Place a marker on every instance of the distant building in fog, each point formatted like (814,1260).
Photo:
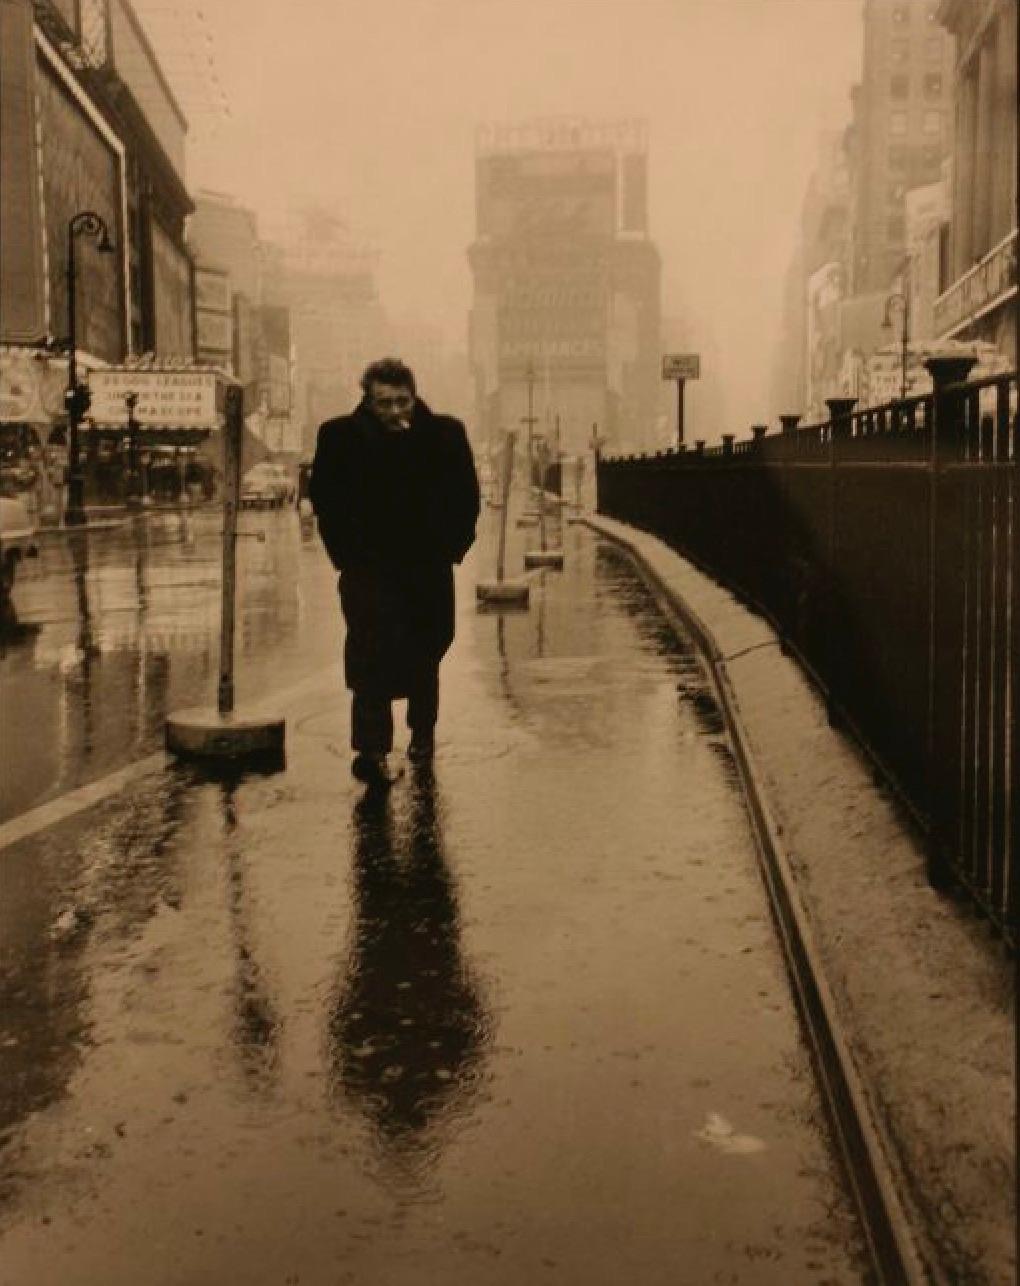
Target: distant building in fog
(900,131)
(443,374)
(327,280)
(238,329)
(223,234)
(223,238)
(979,298)
(874,223)
(805,361)
(566,282)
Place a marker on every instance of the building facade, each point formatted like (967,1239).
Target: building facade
(327,281)
(978,300)
(902,120)
(239,330)
(88,122)
(566,308)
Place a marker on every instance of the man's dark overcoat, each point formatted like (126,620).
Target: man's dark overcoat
(396,509)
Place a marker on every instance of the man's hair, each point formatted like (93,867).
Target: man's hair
(388,370)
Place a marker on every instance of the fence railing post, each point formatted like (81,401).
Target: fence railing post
(840,411)
(945,444)
(789,424)
(727,443)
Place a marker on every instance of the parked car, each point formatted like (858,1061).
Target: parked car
(17,542)
(267,486)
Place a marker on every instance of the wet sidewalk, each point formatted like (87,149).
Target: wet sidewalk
(522,1020)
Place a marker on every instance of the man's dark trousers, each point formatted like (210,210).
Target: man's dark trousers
(372,714)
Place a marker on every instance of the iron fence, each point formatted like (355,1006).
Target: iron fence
(882,545)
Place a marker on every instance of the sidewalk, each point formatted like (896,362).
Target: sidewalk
(524,1020)
(923,990)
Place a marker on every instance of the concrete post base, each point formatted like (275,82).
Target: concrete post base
(203,733)
(503,593)
(543,558)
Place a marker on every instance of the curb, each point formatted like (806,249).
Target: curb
(863,1143)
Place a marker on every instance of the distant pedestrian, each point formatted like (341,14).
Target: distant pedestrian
(394,489)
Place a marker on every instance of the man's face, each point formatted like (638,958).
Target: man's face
(391,404)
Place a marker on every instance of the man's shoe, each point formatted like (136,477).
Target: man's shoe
(422,749)
(373,770)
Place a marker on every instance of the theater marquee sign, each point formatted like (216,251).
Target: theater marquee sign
(185,399)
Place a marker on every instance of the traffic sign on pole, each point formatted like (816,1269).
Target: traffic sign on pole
(681,367)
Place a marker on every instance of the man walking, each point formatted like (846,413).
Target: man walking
(396,495)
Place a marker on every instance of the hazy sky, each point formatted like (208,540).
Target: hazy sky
(371,105)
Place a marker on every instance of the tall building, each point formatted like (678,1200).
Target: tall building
(223,234)
(240,329)
(979,287)
(566,283)
(327,279)
(900,131)
(224,240)
(816,279)
(874,228)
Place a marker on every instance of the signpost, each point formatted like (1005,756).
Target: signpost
(681,367)
(225,733)
(543,556)
(502,592)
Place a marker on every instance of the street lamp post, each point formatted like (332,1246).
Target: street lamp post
(531,419)
(76,396)
(904,304)
(134,490)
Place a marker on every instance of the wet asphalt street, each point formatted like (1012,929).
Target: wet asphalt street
(520,1021)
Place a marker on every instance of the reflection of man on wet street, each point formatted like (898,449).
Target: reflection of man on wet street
(395,492)
(408,1028)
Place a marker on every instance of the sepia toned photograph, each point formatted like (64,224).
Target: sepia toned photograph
(509,636)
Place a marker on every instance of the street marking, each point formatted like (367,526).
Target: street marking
(54,811)
(75,801)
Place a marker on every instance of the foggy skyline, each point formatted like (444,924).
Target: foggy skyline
(371,108)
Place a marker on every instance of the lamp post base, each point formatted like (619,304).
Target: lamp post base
(543,558)
(503,593)
(203,733)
